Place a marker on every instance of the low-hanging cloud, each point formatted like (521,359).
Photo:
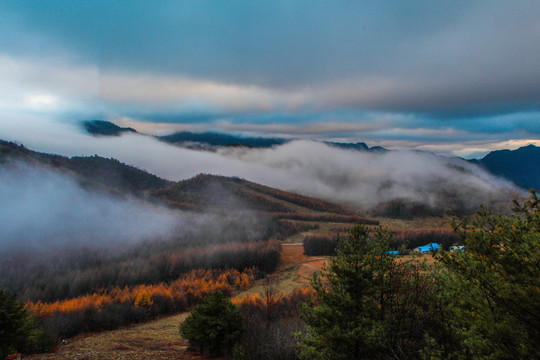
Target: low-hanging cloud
(365,179)
(44,209)
(61,228)
(307,167)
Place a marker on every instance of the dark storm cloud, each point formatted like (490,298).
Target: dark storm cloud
(443,59)
(243,41)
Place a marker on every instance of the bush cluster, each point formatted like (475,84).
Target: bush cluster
(317,245)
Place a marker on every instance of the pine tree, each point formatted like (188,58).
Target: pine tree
(497,282)
(18,332)
(369,306)
(342,323)
(215,325)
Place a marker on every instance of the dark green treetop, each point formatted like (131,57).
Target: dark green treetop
(213,326)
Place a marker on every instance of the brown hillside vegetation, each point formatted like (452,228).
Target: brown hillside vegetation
(211,191)
(159,339)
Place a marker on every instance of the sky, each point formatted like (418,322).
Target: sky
(454,78)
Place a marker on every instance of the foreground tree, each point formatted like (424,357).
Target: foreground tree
(15,324)
(496,283)
(369,306)
(18,332)
(214,326)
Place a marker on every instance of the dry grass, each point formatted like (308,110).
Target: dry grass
(428,258)
(302,266)
(157,339)
(294,254)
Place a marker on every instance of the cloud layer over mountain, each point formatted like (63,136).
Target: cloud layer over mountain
(307,167)
(43,209)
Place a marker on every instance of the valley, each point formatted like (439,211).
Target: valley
(278,180)
(125,299)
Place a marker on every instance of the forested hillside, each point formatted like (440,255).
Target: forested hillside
(210,223)
(95,170)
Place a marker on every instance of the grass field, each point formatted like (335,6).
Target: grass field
(157,339)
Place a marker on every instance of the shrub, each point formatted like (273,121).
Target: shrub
(18,330)
(214,326)
(270,320)
(320,245)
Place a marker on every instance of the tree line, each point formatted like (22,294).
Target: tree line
(108,309)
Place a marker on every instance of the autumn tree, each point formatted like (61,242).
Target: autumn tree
(214,326)
(144,301)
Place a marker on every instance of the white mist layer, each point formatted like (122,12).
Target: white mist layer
(307,167)
(365,178)
(43,209)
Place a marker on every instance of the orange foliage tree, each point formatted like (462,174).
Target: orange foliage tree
(152,300)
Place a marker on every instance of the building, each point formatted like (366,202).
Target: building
(427,248)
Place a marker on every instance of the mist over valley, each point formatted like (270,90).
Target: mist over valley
(269,181)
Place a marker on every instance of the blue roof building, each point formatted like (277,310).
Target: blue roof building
(427,248)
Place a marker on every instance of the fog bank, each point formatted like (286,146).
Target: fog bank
(307,167)
(44,209)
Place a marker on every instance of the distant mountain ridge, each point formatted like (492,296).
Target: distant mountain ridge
(359,146)
(521,166)
(220,139)
(105,128)
(213,139)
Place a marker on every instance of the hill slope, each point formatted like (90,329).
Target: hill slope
(208,192)
(95,170)
(205,191)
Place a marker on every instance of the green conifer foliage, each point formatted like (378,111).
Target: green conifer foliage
(370,306)
(18,332)
(497,283)
(214,326)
